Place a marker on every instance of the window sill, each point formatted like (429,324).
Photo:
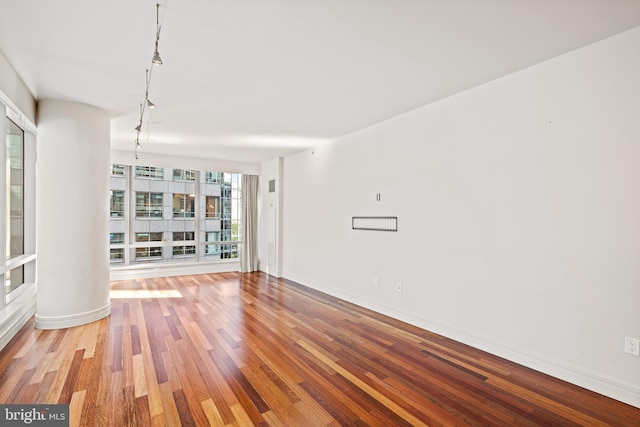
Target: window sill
(165,269)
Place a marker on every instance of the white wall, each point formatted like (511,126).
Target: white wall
(518,206)
(270,241)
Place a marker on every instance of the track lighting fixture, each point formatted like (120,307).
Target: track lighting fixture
(157,61)
(156,56)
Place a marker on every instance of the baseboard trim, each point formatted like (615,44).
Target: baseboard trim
(265,269)
(61,322)
(588,380)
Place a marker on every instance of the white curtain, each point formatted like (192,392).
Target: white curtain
(249,246)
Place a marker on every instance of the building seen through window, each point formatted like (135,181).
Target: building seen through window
(173,215)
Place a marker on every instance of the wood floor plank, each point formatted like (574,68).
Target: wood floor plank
(75,408)
(236,349)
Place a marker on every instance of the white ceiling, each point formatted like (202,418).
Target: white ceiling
(250,80)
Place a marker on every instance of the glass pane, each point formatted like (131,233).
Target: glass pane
(13,279)
(15,190)
(212,249)
(213,177)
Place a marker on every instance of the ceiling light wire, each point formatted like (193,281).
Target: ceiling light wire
(147,104)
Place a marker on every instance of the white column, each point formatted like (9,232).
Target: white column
(72,214)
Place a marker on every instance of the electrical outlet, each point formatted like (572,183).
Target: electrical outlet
(399,287)
(632,346)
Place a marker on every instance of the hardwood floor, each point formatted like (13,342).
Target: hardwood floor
(242,350)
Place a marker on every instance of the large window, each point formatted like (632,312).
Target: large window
(14,232)
(149,205)
(117,204)
(231,206)
(184,205)
(165,217)
(224,243)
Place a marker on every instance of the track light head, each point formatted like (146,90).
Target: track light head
(156,56)
(139,127)
(150,105)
